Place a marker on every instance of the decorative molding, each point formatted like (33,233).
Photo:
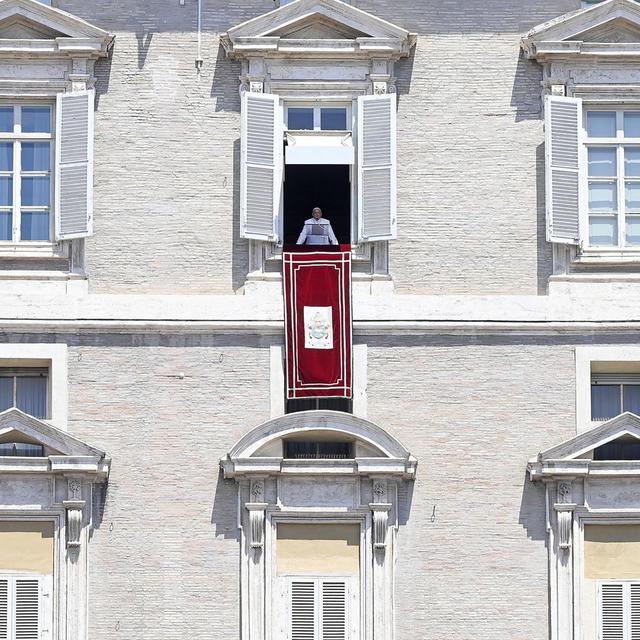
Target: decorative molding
(74,510)
(380,515)
(256,86)
(256,523)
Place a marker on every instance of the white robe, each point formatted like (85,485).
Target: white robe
(317,232)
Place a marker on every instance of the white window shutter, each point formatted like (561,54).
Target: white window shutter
(27,616)
(74,165)
(612,618)
(563,125)
(377,167)
(4,609)
(262,149)
(303,610)
(334,610)
(635,610)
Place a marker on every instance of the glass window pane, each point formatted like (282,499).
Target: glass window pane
(632,231)
(6,393)
(6,191)
(5,225)
(632,124)
(34,225)
(6,119)
(300,118)
(333,119)
(631,398)
(602,162)
(31,396)
(603,231)
(601,124)
(605,401)
(35,191)
(632,196)
(603,196)
(632,161)
(6,156)
(36,156)
(36,119)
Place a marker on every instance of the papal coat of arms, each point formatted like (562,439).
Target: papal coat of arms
(318,328)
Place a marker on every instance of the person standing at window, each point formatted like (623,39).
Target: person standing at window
(317,230)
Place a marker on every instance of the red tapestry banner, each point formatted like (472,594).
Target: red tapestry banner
(317,295)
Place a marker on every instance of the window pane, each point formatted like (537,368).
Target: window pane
(632,124)
(6,119)
(5,225)
(603,231)
(35,191)
(6,156)
(603,196)
(333,119)
(631,398)
(602,162)
(36,156)
(632,195)
(36,119)
(605,401)
(6,393)
(6,191)
(601,124)
(31,396)
(300,118)
(34,225)
(633,230)
(632,161)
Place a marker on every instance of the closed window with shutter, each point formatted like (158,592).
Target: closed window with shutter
(377,167)
(262,149)
(563,118)
(619,610)
(74,165)
(322,609)
(21,609)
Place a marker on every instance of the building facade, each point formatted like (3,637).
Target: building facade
(483,162)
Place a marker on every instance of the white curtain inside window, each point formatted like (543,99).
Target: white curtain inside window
(31,396)
(6,393)
(605,401)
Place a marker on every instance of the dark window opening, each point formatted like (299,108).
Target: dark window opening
(609,400)
(326,186)
(618,450)
(21,449)
(25,389)
(313,450)
(326,404)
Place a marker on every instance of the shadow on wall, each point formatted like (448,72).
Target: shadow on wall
(544,248)
(224,513)
(100,492)
(532,514)
(225,85)
(239,246)
(404,72)
(144,43)
(102,71)
(405,498)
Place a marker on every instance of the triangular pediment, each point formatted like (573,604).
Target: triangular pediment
(613,22)
(622,427)
(20,427)
(30,19)
(315,20)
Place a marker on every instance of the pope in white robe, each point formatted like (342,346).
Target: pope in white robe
(317,230)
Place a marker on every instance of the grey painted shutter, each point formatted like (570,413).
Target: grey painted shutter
(303,610)
(4,609)
(261,173)
(635,611)
(74,165)
(334,610)
(612,612)
(563,118)
(27,609)
(377,167)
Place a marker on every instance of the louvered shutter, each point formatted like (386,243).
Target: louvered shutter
(261,173)
(563,117)
(377,167)
(74,165)
(334,610)
(303,610)
(634,610)
(612,612)
(4,609)
(27,609)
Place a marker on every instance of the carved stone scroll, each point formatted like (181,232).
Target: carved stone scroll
(564,508)
(380,512)
(74,521)
(256,523)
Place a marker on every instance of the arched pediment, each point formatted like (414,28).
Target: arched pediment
(376,451)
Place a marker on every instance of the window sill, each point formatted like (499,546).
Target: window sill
(359,253)
(32,250)
(604,256)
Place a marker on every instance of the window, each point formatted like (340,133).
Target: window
(26,158)
(317,450)
(317,118)
(20,607)
(619,610)
(310,404)
(26,389)
(620,449)
(613,168)
(613,394)
(22,449)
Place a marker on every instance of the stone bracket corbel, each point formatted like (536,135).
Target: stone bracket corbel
(257,511)
(564,509)
(74,521)
(380,511)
